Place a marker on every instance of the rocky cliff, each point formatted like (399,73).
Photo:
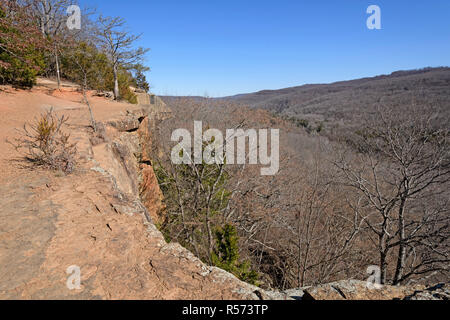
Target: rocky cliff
(95,219)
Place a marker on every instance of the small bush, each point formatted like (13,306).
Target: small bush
(45,144)
(128,95)
(20,73)
(125,81)
(226,256)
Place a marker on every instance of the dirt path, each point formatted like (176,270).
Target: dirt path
(19,106)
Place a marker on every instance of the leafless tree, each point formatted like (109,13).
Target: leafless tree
(401,178)
(51,18)
(85,62)
(118,43)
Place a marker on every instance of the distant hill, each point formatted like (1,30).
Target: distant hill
(343,101)
(343,104)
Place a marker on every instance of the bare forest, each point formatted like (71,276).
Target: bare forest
(376,194)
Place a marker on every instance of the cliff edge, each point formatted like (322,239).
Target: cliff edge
(92,219)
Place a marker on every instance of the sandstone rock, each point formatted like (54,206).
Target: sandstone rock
(438,292)
(151,194)
(145,138)
(128,124)
(104,94)
(355,290)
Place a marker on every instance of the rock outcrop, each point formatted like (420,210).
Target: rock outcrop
(438,292)
(355,290)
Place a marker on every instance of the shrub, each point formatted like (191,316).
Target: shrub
(45,144)
(128,95)
(20,73)
(125,81)
(21,46)
(226,255)
(84,62)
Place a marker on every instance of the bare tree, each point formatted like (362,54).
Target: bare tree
(118,44)
(312,232)
(401,178)
(84,58)
(51,17)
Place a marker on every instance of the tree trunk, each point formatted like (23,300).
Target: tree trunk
(210,236)
(58,75)
(94,126)
(301,267)
(383,254)
(402,248)
(116,83)
(383,267)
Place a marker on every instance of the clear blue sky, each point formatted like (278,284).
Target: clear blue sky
(228,47)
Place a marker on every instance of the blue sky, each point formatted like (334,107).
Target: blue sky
(220,48)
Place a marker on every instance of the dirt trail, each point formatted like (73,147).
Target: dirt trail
(18,106)
(92,219)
